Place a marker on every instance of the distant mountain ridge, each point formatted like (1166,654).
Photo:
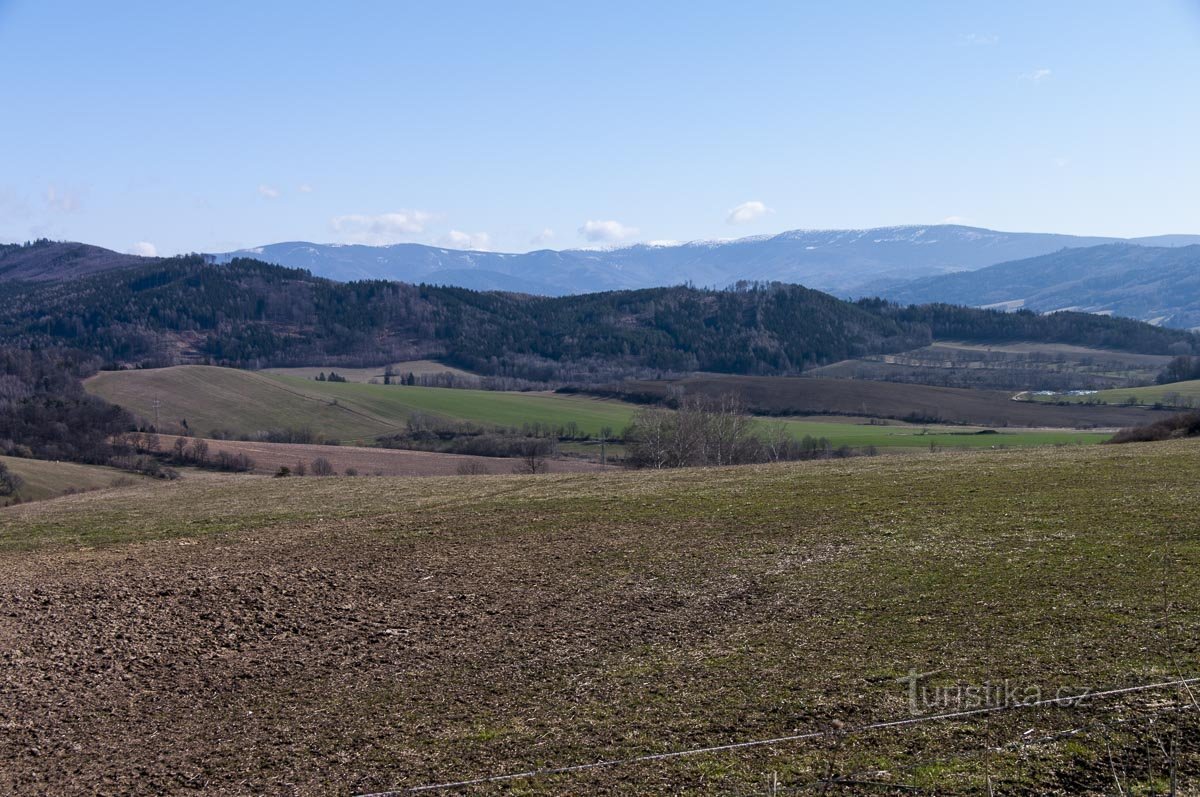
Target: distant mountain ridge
(843,262)
(1160,285)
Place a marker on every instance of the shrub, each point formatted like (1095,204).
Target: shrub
(1184,424)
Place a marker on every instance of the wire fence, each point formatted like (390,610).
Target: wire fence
(863,779)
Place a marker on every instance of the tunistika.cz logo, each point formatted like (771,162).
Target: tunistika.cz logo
(926,698)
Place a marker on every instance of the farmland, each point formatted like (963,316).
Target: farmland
(1176,394)
(43,479)
(268,458)
(245,403)
(1005,366)
(353,635)
(813,395)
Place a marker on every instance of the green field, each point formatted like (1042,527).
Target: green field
(1177,394)
(245,402)
(378,633)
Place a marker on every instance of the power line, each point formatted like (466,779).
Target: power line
(800,737)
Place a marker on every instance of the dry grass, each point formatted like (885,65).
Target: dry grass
(43,479)
(332,636)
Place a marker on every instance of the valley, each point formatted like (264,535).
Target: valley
(232,403)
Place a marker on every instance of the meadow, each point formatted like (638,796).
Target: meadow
(313,636)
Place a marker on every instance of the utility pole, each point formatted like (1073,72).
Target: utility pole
(156,404)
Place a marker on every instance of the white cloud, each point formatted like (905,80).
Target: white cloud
(956,220)
(385,228)
(144,249)
(62,201)
(598,231)
(270,192)
(747,212)
(542,237)
(456,239)
(305,188)
(1036,76)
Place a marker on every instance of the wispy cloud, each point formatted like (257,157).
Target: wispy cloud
(385,228)
(457,239)
(601,231)
(979,40)
(1036,76)
(144,249)
(61,201)
(956,220)
(747,212)
(305,188)
(268,191)
(543,237)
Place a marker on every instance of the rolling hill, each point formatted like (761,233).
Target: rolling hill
(253,314)
(1160,285)
(920,403)
(43,479)
(283,635)
(229,402)
(835,261)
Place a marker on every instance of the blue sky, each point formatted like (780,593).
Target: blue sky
(210,126)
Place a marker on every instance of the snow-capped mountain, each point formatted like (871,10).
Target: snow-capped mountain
(843,262)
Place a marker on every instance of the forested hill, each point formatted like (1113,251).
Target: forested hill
(59,260)
(252,314)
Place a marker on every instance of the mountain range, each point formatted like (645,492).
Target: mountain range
(1160,285)
(842,262)
(1154,279)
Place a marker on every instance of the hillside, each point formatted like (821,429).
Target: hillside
(43,261)
(269,458)
(248,313)
(284,636)
(920,403)
(43,479)
(241,403)
(1173,394)
(1156,284)
(836,261)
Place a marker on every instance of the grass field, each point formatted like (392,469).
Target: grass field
(1177,394)
(246,402)
(347,636)
(44,479)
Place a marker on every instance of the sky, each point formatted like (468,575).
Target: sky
(153,127)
